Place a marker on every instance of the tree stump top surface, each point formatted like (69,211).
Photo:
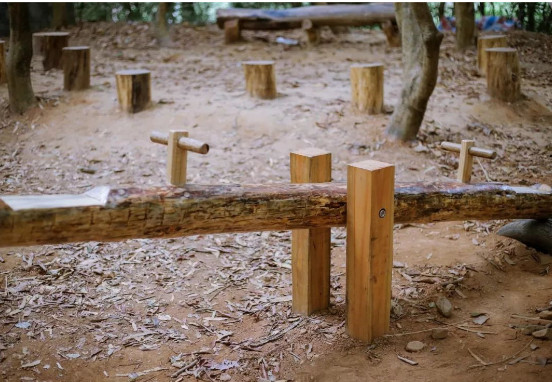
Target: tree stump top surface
(76,48)
(371,65)
(258,62)
(491,36)
(51,34)
(132,72)
(501,50)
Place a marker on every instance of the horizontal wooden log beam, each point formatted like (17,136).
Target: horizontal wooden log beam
(319,15)
(105,214)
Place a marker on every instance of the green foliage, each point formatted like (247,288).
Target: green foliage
(274,5)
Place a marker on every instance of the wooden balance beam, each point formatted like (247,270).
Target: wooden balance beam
(111,214)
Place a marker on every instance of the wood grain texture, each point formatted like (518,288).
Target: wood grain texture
(133,90)
(369,248)
(465,162)
(310,248)
(484,43)
(76,68)
(126,213)
(260,80)
(50,45)
(177,159)
(475,151)
(367,87)
(232,32)
(503,74)
(3,78)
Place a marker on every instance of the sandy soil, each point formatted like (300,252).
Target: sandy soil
(215,307)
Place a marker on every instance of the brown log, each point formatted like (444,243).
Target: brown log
(260,80)
(50,45)
(184,143)
(105,214)
(3,77)
(503,74)
(133,90)
(76,68)
(367,87)
(484,43)
(319,15)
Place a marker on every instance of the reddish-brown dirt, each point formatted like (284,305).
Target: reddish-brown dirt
(214,307)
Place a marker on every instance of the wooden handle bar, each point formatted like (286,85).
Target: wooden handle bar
(475,151)
(184,143)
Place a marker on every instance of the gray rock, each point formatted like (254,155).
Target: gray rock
(439,333)
(444,306)
(529,329)
(546,315)
(414,346)
(544,334)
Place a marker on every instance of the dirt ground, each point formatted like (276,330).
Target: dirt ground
(218,307)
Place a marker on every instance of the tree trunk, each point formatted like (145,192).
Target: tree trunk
(161,26)
(482,9)
(531,7)
(105,214)
(420,44)
(465,25)
(19,59)
(442,10)
(59,15)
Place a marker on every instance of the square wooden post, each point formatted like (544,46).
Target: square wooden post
(310,248)
(465,163)
(177,159)
(370,205)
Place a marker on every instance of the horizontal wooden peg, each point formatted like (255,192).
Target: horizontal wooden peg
(184,143)
(475,151)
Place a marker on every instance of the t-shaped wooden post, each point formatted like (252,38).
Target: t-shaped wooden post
(467,151)
(179,145)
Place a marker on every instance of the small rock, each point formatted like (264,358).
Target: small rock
(439,333)
(480,320)
(529,329)
(444,306)
(414,346)
(534,347)
(544,334)
(546,315)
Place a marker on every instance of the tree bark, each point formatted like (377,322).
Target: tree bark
(161,26)
(420,55)
(59,15)
(465,25)
(19,59)
(442,10)
(503,74)
(531,7)
(105,214)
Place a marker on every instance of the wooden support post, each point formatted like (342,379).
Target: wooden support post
(232,32)
(260,80)
(370,204)
(484,43)
(3,78)
(76,68)
(310,248)
(465,162)
(391,31)
(50,46)
(177,159)
(312,33)
(503,74)
(134,89)
(367,87)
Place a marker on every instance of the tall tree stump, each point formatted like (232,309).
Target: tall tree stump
(312,33)
(260,80)
(50,45)
(133,89)
(367,87)
(484,43)
(76,68)
(232,31)
(503,74)
(3,78)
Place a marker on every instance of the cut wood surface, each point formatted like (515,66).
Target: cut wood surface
(319,15)
(3,78)
(105,214)
(76,68)
(503,74)
(484,43)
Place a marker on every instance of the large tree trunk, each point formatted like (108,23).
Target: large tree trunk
(105,214)
(441,10)
(531,7)
(420,58)
(59,15)
(465,25)
(19,59)
(161,26)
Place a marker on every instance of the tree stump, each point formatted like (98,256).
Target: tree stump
(484,43)
(503,74)
(133,89)
(3,78)
(232,32)
(367,87)
(260,80)
(50,45)
(312,33)
(76,68)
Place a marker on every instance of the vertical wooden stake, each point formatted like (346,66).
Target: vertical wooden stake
(370,203)
(310,248)
(177,159)
(465,162)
